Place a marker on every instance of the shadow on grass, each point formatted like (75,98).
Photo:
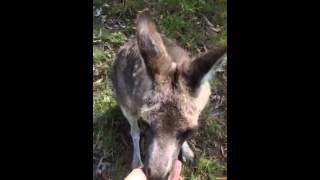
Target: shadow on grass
(111,137)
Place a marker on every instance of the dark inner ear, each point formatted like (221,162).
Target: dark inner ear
(195,71)
(151,45)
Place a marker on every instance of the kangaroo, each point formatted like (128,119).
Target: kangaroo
(156,82)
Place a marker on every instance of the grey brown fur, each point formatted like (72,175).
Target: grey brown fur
(156,81)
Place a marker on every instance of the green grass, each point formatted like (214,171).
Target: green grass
(183,20)
(203,168)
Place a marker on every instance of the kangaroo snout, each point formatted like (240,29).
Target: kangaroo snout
(160,159)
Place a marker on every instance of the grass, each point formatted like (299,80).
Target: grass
(203,168)
(185,21)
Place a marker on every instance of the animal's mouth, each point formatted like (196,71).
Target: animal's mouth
(147,172)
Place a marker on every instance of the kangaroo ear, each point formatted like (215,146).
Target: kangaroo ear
(195,71)
(151,45)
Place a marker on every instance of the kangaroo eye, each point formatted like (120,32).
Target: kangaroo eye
(144,125)
(185,134)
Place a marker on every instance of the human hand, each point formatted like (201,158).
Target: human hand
(176,171)
(136,174)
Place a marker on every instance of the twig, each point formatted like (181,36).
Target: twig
(222,151)
(207,21)
(205,48)
(215,29)
(221,178)
(211,25)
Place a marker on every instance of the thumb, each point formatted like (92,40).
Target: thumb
(176,171)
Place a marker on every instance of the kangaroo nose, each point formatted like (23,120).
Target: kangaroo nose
(155,175)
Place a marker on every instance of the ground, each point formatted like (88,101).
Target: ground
(197,25)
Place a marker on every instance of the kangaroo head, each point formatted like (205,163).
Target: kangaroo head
(180,92)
